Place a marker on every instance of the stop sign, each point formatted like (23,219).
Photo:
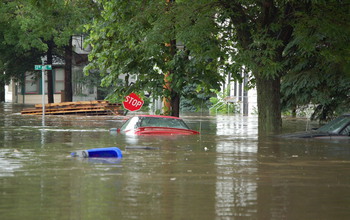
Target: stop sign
(133,102)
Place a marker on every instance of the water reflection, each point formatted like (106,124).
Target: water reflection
(10,161)
(227,172)
(301,175)
(237,126)
(236,163)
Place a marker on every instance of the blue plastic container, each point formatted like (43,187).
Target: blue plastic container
(109,152)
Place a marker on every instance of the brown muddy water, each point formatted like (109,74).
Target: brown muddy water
(227,172)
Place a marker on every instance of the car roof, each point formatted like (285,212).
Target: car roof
(157,116)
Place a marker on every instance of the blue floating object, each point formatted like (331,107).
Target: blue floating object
(99,152)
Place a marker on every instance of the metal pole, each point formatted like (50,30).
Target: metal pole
(43,91)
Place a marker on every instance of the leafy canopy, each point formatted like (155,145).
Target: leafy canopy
(133,38)
(319,61)
(26,26)
(273,39)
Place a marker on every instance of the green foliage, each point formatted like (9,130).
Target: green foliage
(16,63)
(221,107)
(26,27)
(195,100)
(130,38)
(318,60)
(304,42)
(218,105)
(330,92)
(301,41)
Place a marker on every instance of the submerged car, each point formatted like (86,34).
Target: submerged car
(156,125)
(339,128)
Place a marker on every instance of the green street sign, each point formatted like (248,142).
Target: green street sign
(38,67)
(43,67)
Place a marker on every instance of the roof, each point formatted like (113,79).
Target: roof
(157,116)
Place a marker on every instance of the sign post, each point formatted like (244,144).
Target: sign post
(43,68)
(133,102)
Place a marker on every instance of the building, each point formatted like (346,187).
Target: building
(31,91)
(245,98)
(238,93)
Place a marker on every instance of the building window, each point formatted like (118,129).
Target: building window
(59,80)
(33,83)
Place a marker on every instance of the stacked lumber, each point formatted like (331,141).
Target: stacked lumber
(82,108)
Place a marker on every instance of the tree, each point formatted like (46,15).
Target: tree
(138,39)
(269,36)
(45,25)
(14,61)
(68,56)
(221,36)
(262,30)
(320,63)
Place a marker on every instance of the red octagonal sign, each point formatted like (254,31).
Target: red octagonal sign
(133,102)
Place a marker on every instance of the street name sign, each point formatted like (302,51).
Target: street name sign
(42,67)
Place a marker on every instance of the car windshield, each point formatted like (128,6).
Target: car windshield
(130,124)
(335,126)
(163,122)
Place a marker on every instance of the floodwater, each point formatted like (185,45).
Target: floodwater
(227,172)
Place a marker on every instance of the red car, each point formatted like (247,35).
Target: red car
(156,125)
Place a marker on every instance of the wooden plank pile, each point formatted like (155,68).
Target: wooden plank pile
(82,108)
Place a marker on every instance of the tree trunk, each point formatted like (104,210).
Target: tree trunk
(167,98)
(175,104)
(269,119)
(68,90)
(50,90)
(2,91)
(172,102)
